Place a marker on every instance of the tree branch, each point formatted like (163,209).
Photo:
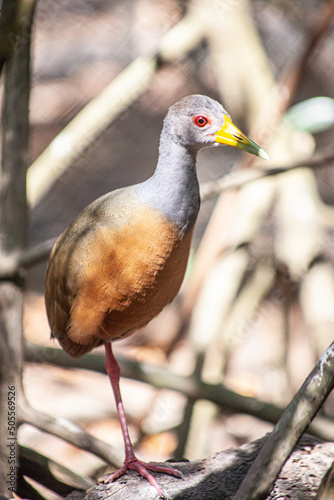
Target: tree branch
(13,218)
(218,476)
(161,378)
(293,423)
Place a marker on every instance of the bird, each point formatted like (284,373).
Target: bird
(123,259)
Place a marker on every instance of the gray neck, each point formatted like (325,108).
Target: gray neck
(173,189)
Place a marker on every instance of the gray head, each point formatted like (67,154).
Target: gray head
(196,121)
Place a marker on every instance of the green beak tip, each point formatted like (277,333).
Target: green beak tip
(263,154)
(252,148)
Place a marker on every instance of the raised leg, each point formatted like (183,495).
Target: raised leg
(131,461)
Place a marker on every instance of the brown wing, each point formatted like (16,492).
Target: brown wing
(109,281)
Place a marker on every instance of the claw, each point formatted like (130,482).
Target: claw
(142,468)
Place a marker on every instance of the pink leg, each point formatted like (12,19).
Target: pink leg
(131,461)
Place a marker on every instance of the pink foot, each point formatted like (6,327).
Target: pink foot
(142,468)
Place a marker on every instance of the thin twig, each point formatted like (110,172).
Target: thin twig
(242,177)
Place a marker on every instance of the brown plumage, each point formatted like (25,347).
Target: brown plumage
(106,282)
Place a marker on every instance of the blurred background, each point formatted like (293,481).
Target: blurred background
(256,309)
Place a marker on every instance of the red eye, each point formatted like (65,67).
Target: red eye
(200,121)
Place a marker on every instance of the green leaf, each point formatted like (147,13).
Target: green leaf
(312,115)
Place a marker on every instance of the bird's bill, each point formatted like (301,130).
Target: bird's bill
(231,135)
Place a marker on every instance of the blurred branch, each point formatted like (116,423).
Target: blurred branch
(210,312)
(47,472)
(161,378)
(100,112)
(293,423)
(69,432)
(246,305)
(106,107)
(219,321)
(234,211)
(326,489)
(268,121)
(221,315)
(13,221)
(10,265)
(87,125)
(243,76)
(293,76)
(11,28)
(242,177)
(157,376)
(316,302)
(300,235)
(8,23)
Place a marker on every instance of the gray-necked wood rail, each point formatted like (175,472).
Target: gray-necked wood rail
(124,257)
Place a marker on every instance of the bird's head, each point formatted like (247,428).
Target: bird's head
(196,121)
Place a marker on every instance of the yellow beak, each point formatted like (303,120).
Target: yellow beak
(231,135)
